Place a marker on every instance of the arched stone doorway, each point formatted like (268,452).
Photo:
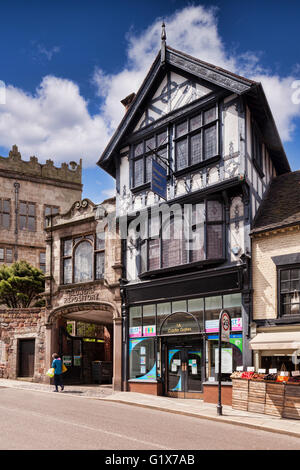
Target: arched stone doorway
(81,350)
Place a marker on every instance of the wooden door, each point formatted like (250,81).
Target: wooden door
(26,357)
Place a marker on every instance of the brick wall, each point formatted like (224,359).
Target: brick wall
(264,247)
(18,324)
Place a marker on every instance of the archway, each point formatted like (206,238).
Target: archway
(86,335)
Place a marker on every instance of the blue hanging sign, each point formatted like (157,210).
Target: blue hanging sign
(159,180)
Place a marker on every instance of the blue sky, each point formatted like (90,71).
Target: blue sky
(67,64)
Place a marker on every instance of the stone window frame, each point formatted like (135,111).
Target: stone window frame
(6,259)
(27,215)
(76,240)
(45,221)
(4,212)
(42,266)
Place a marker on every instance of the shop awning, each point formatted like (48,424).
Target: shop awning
(280,340)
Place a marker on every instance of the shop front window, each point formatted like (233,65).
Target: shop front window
(213,306)
(142,363)
(149,320)
(196,307)
(232,356)
(281,362)
(163,310)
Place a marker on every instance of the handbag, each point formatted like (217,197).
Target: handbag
(63,369)
(50,372)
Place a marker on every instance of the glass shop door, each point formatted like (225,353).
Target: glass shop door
(184,377)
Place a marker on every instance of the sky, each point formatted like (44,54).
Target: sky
(66,65)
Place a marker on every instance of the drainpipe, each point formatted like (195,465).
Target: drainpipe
(51,260)
(17,187)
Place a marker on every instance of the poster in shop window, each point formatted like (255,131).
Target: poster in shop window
(226,360)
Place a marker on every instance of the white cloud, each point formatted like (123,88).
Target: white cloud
(55,122)
(194,30)
(52,123)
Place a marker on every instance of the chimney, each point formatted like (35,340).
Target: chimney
(127,101)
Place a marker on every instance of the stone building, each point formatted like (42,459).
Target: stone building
(82,289)
(29,191)
(82,317)
(276,276)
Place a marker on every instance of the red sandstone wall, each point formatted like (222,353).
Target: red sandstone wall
(16,324)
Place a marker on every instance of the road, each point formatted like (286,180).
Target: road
(33,420)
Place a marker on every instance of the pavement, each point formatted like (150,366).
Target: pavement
(188,407)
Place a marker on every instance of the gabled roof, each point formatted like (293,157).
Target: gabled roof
(280,206)
(217,76)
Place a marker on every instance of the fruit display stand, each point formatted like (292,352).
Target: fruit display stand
(291,407)
(274,398)
(240,389)
(257,396)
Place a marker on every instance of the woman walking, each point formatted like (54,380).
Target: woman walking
(57,366)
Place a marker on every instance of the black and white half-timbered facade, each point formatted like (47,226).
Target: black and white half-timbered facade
(188,256)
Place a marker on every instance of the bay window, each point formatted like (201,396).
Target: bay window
(82,259)
(197,235)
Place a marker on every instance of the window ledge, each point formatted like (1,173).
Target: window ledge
(143,381)
(141,187)
(192,168)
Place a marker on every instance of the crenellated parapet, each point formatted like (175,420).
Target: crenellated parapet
(67,172)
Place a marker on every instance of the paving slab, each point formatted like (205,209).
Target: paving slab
(199,409)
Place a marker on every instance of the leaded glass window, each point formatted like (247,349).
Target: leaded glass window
(143,154)
(194,236)
(83,258)
(196,139)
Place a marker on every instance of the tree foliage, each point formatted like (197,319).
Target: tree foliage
(20,284)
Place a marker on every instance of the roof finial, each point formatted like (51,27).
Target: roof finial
(163,31)
(163,43)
